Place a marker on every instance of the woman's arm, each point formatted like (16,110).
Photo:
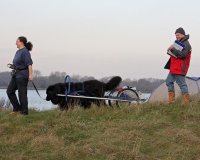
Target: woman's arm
(30,70)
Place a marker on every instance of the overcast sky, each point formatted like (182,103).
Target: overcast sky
(99,37)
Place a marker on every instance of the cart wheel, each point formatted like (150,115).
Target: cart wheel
(127,94)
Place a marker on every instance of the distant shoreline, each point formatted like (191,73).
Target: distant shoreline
(28,88)
(2,88)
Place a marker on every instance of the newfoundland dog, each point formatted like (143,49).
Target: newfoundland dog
(92,88)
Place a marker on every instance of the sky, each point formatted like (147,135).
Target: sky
(99,38)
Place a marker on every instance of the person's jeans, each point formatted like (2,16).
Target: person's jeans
(179,79)
(19,84)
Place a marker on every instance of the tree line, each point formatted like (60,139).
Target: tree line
(146,85)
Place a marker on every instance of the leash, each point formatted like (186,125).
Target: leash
(37,91)
(11,66)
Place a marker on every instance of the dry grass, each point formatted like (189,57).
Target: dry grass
(4,104)
(149,131)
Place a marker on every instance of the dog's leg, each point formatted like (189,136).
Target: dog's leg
(63,106)
(86,103)
(97,102)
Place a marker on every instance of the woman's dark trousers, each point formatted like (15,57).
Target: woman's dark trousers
(19,84)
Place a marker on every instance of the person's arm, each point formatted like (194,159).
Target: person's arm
(30,70)
(184,52)
(170,47)
(28,62)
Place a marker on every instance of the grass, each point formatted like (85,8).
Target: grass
(145,132)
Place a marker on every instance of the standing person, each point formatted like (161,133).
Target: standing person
(178,65)
(23,73)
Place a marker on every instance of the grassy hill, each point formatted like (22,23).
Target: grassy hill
(146,132)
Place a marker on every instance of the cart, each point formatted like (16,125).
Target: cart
(121,96)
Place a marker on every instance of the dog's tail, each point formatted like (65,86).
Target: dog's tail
(113,83)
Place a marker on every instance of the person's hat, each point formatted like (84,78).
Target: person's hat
(180,30)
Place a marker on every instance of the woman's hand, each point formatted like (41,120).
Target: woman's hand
(30,77)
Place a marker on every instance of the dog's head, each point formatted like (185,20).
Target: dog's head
(52,92)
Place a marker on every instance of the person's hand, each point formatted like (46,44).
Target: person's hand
(170,47)
(30,77)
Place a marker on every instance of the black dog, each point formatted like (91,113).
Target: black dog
(93,88)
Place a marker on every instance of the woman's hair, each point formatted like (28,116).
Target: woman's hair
(27,44)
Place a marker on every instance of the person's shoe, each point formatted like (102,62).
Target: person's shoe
(171,97)
(185,99)
(14,113)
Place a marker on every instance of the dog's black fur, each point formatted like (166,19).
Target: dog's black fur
(93,88)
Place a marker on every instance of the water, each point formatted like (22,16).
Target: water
(33,99)
(39,104)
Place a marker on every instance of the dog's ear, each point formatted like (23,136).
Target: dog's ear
(48,98)
(50,88)
(50,91)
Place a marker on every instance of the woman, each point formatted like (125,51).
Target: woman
(23,73)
